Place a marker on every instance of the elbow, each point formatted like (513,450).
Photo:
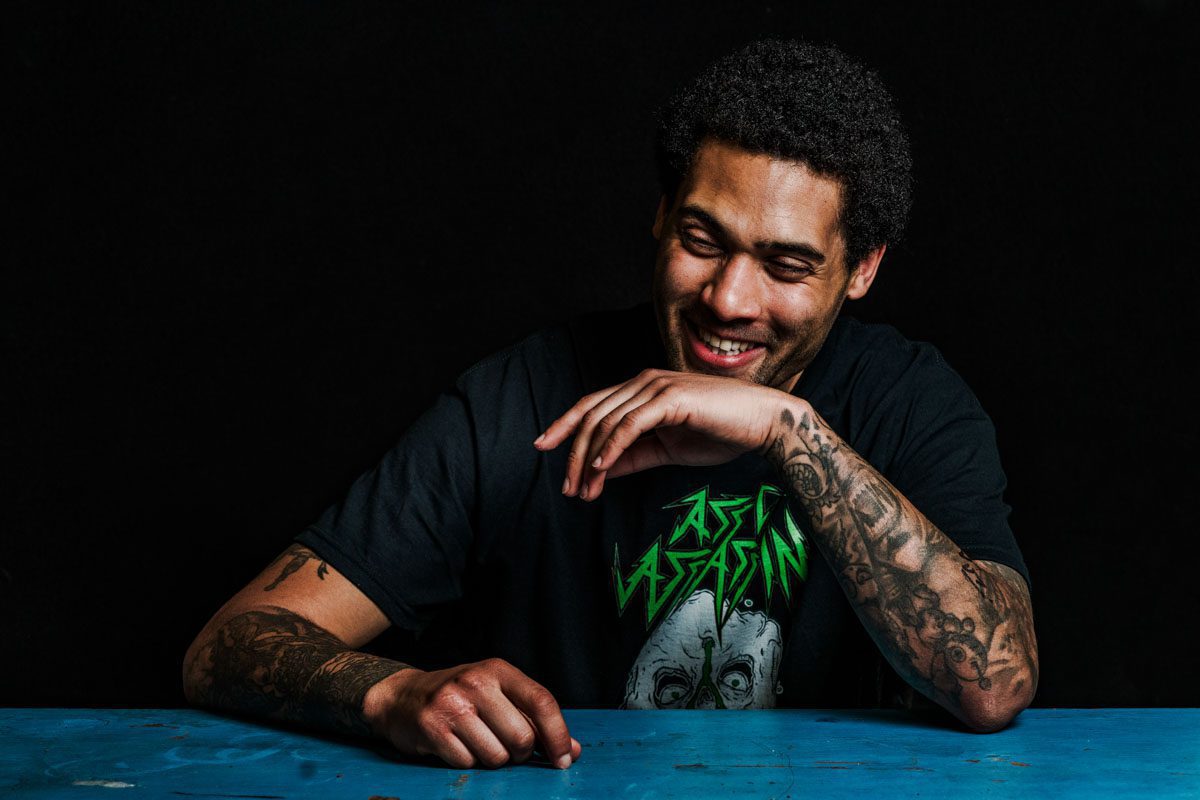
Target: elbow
(992,715)
(990,720)
(994,709)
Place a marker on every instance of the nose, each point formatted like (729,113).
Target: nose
(731,292)
(704,699)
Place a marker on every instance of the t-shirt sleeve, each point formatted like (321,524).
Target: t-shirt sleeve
(949,467)
(403,533)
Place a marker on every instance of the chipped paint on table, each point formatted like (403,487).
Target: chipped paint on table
(1065,753)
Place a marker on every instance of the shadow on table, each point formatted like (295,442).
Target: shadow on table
(924,718)
(915,719)
(384,750)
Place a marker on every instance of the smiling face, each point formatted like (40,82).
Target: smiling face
(751,271)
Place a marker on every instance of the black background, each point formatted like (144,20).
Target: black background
(251,241)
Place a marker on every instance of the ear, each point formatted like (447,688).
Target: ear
(864,273)
(660,217)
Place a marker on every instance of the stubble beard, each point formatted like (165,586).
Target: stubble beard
(773,372)
(776,373)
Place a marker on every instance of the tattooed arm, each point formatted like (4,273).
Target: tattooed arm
(281,648)
(275,663)
(959,631)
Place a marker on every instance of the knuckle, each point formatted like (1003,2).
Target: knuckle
(543,702)
(474,681)
(524,742)
(631,419)
(450,703)
(672,397)
(429,722)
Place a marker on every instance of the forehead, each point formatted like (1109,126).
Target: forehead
(762,197)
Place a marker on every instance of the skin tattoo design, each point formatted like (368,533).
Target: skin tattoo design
(942,640)
(274,662)
(297,555)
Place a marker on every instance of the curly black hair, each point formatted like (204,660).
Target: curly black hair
(808,103)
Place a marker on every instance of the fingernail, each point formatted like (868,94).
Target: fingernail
(563,761)
(583,492)
(596,463)
(538,440)
(566,485)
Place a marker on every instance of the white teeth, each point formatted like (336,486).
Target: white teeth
(723,346)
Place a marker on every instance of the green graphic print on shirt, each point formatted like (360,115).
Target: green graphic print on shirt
(708,649)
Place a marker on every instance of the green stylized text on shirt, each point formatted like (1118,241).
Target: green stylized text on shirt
(714,544)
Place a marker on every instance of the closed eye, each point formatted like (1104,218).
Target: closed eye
(700,245)
(791,270)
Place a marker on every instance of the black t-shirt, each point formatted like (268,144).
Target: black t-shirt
(680,586)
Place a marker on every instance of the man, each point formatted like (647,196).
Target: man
(779,461)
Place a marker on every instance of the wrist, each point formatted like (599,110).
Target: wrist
(381,700)
(787,413)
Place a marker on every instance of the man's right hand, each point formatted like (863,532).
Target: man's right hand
(483,714)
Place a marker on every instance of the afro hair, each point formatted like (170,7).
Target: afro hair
(806,103)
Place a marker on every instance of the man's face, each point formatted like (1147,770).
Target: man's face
(751,272)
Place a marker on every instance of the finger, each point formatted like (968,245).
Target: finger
(638,421)
(449,748)
(543,711)
(561,428)
(577,458)
(557,432)
(646,453)
(569,423)
(481,740)
(606,426)
(576,747)
(513,728)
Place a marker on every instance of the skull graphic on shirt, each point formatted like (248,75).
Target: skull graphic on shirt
(686,664)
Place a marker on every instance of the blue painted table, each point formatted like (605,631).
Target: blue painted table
(127,753)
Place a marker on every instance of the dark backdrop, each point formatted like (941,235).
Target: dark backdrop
(253,240)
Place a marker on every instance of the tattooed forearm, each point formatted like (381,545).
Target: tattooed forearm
(958,630)
(295,557)
(275,663)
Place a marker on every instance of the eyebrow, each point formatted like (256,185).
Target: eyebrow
(801,249)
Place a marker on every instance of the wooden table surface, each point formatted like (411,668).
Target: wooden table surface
(1058,753)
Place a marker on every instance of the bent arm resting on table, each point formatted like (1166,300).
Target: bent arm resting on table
(959,631)
(284,648)
(275,663)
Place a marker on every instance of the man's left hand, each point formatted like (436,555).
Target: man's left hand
(658,418)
